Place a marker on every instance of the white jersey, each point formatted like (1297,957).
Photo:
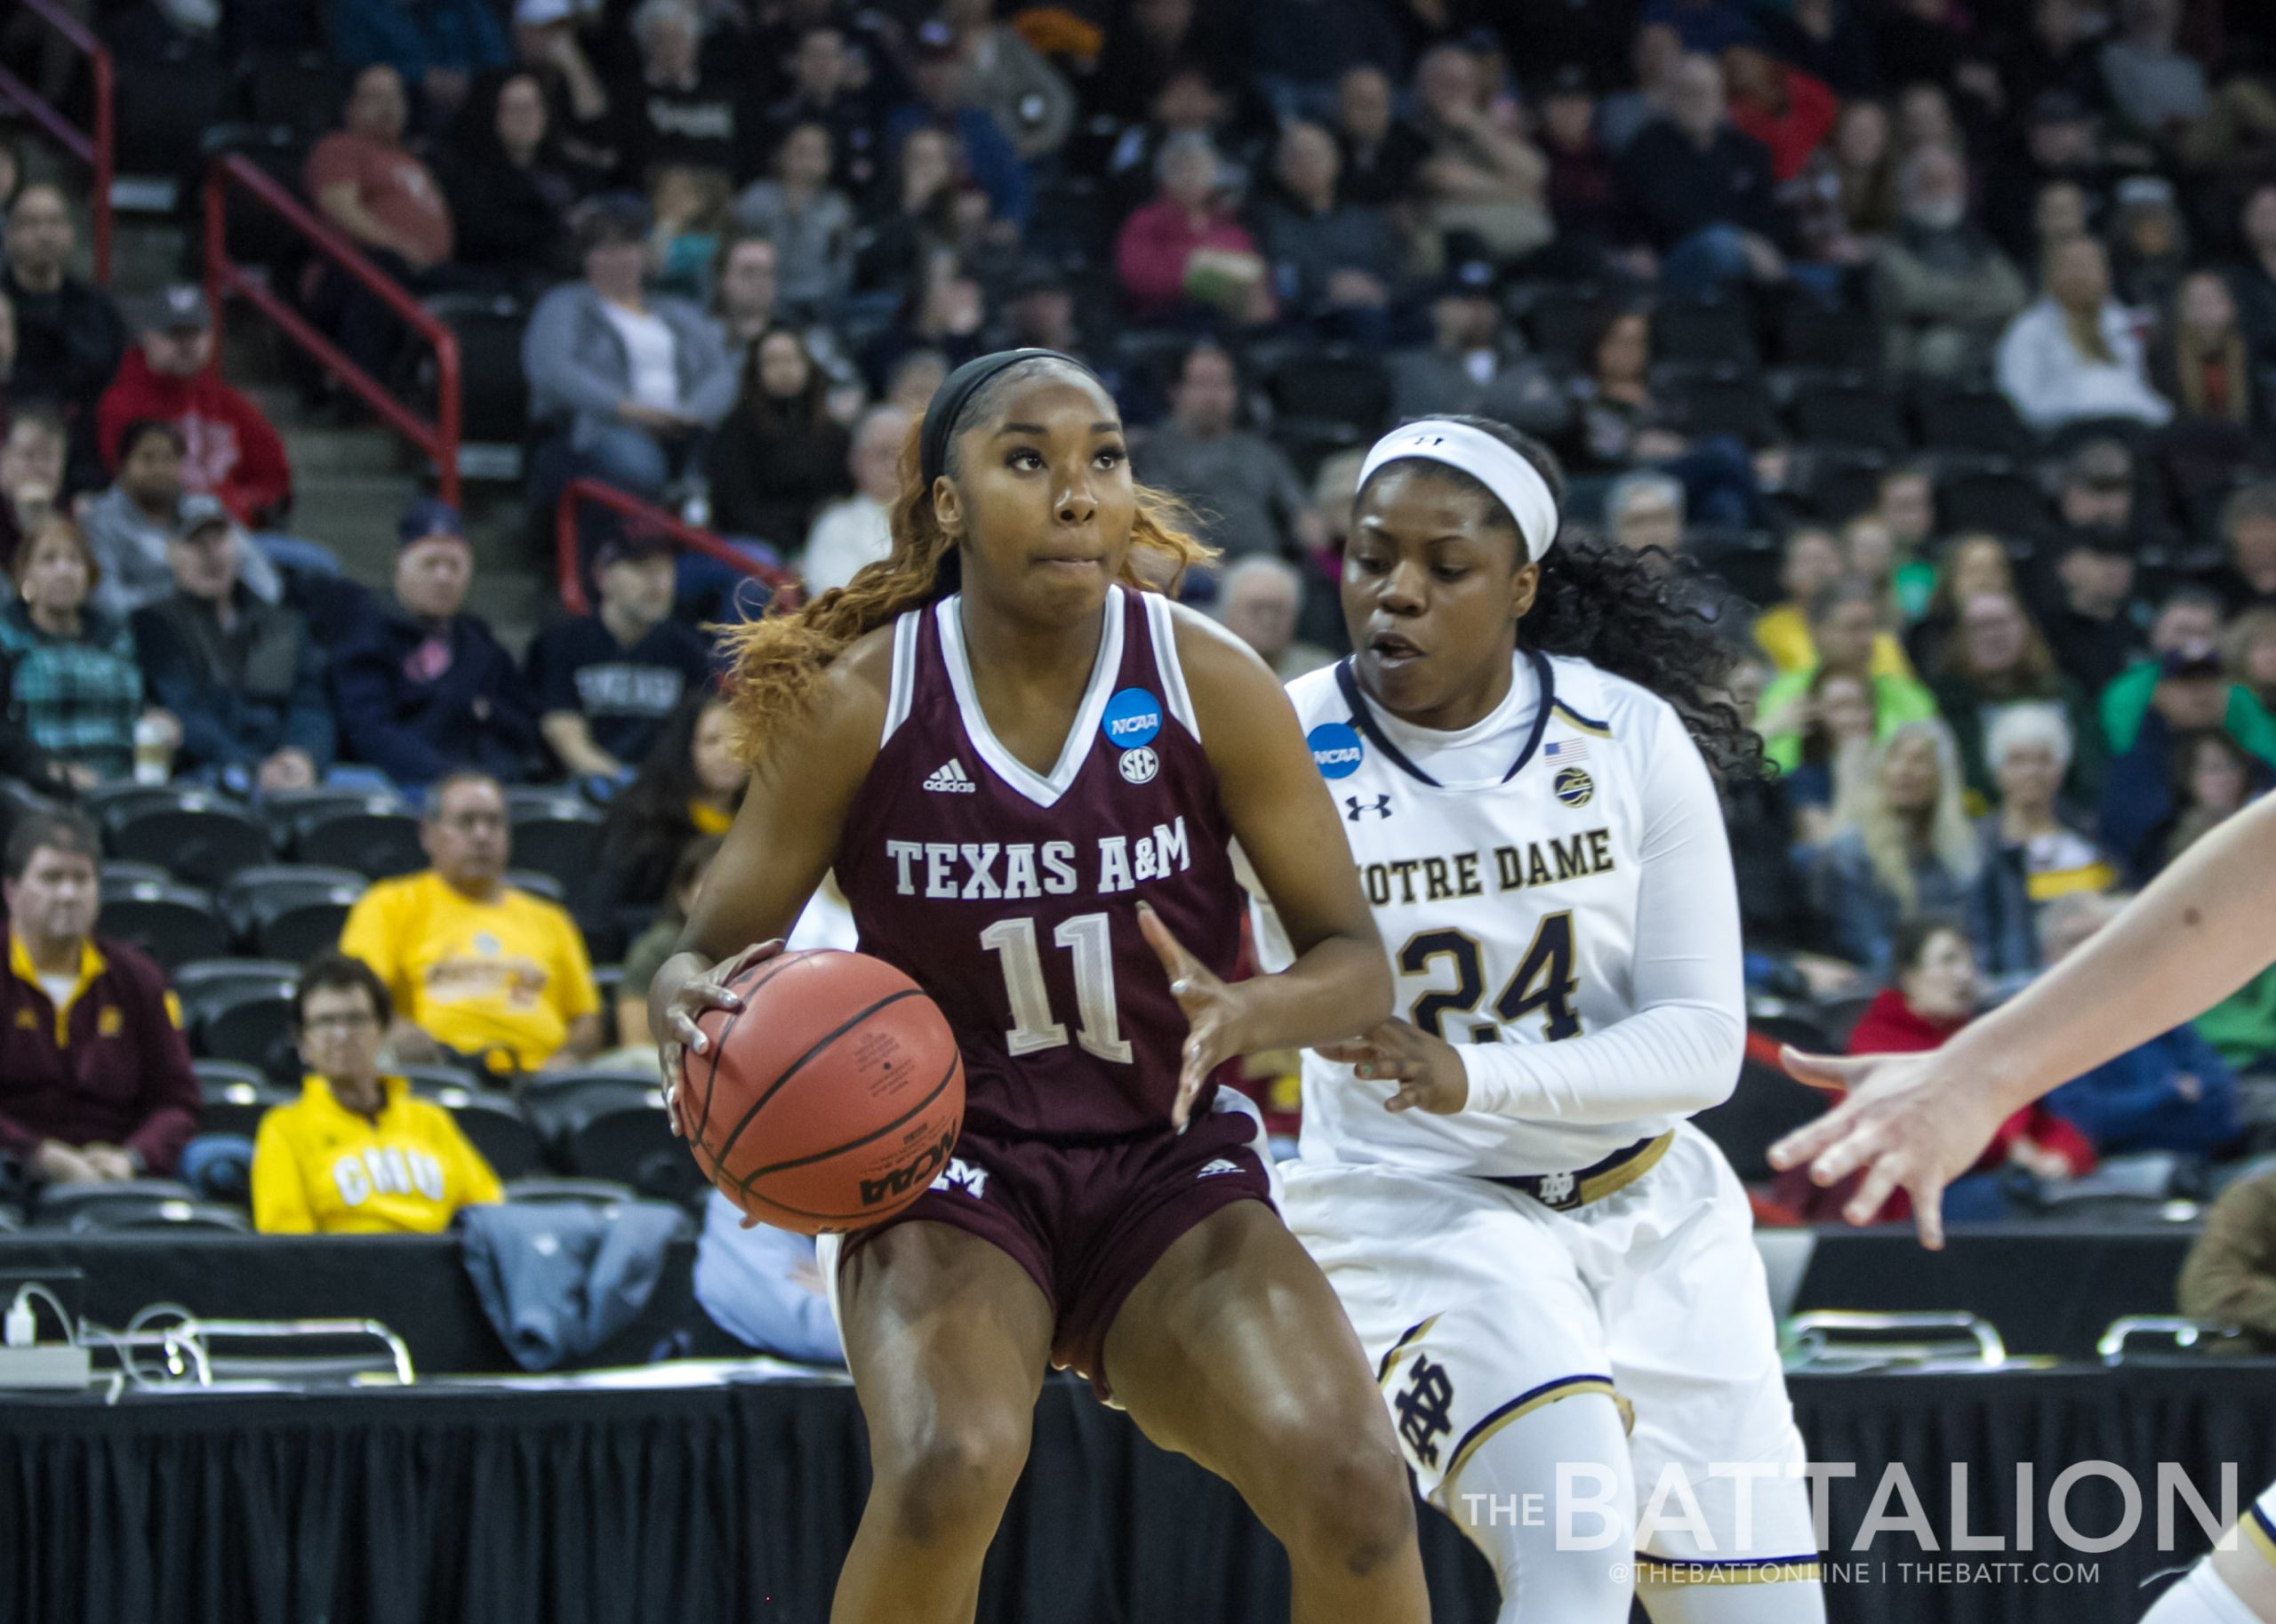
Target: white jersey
(1566,917)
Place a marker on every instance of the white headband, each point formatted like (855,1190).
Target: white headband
(1485,458)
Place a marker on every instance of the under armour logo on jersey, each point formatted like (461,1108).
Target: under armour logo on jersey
(1426,1409)
(1220,1165)
(949,779)
(1381,807)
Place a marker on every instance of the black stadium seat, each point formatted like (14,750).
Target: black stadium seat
(1978,420)
(1702,332)
(1561,320)
(290,911)
(172,923)
(1849,411)
(2001,501)
(602,1126)
(240,1010)
(554,833)
(236,1096)
(493,1123)
(1723,400)
(59,1204)
(1345,388)
(1812,335)
(377,836)
(199,835)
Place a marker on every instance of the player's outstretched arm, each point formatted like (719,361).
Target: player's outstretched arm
(1916,1122)
(783,840)
(1280,814)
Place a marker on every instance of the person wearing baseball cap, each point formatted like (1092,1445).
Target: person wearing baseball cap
(170,377)
(421,687)
(606,682)
(243,676)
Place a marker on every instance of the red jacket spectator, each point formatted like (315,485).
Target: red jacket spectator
(229,450)
(1783,107)
(367,183)
(1891,1026)
(1153,250)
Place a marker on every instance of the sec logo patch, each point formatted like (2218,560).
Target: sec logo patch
(1140,765)
(1574,787)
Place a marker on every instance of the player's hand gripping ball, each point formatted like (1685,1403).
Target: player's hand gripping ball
(827,1097)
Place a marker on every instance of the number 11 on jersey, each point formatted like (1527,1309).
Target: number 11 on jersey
(1087,936)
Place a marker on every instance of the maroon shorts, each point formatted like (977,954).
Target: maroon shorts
(1088,1221)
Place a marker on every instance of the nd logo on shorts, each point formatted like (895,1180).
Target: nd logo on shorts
(1574,787)
(1335,749)
(1132,721)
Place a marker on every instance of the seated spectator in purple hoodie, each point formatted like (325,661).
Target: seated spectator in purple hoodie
(2174,1092)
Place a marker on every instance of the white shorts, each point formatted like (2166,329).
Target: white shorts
(1478,1304)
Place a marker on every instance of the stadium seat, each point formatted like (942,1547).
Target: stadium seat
(290,911)
(1821,338)
(1706,332)
(236,1096)
(1331,386)
(1839,482)
(602,1126)
(1966,420)
(200,835)
(240,1010)
(1746,561)
(556,835)
(1722,400)
(589,1192)
(59,1204)
(1561,320)
(114,1217)
(2003,501)
(539,885)
(377,836)
(493,393)
(172,923)
(117,871)
(1849,412)
(493,1123)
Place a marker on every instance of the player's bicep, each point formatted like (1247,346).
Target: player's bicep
(1272,796)
(786,835)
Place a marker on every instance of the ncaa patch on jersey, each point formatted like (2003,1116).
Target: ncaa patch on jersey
(1133,718)
(1336,750)
(1574,787)
(1140,765)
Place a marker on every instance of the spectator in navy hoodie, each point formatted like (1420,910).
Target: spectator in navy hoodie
(421,687)
(2174,1092)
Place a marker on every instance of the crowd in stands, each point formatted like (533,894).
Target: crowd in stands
(1941,339)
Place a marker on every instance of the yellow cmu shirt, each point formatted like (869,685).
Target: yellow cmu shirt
(509,974)
(320,1168)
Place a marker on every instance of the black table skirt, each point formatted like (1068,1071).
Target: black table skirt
(690,1507)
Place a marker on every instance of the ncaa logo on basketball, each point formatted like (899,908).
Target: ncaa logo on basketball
(1574,787)
(1133,718)
(1336,750)
(1140,765)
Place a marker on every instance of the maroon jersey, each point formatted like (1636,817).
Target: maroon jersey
(1011,896)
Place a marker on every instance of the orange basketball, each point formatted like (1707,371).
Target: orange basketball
(830,1099)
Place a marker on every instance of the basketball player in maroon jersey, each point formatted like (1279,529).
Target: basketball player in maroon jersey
(1026,772)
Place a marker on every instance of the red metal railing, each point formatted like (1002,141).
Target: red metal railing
(225,277)
(689,537)
(98,147)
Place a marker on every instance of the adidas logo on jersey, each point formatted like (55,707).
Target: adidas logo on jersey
(950,779)
(1220,1165)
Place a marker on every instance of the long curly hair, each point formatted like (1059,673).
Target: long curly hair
(780,658)
(1638,614)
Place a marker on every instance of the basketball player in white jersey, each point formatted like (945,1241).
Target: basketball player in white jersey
(1917,1122)
(1554,1271)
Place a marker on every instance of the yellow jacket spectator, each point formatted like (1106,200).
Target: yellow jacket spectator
(358,1155)
(474,967)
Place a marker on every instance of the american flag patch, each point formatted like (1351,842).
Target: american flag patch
(1566,750)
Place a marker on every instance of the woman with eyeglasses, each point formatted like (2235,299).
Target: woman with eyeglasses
(357,1152)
